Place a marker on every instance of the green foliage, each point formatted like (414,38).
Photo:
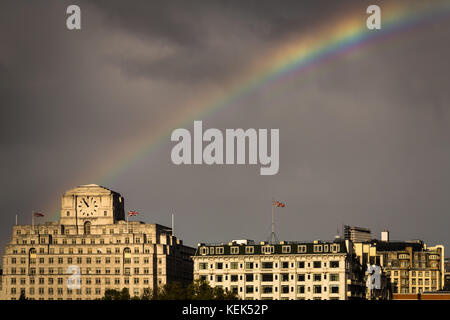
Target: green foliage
(197,290)
(111,294)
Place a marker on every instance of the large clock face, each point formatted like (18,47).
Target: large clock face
(87,206)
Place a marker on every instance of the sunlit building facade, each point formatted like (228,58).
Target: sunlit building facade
(282,271)
(90,249)
(412,266)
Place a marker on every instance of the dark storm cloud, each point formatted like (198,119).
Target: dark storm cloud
(188,23)
(200,32)
(363,141)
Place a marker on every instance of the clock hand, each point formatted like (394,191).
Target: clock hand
(85,202)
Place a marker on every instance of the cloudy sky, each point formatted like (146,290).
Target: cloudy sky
(364,137)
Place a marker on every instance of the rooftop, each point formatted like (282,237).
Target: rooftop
(283,247)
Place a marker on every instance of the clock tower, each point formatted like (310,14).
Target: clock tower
(91,204)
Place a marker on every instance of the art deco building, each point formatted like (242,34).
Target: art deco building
(90,249)
(286,270)
(412,266)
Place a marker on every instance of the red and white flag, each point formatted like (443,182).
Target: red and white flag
(279,204)
(37,214)
(133,213)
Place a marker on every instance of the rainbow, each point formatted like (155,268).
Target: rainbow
(298,54)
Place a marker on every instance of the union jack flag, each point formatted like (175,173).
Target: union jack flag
(279,204)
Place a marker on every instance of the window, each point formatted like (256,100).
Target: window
(317,264)
(334,277)
(219,278)
(334,289)
(268,249)
(301,264)
(87,228)
(203,266)
(317,289)
(284,264)
(284,289)
(267,265)
(335,247)
(301,248)
(234,250)
(301,277)
(285,277)
(250,250)
(267,289)
(300,289)
(234,265)
(286,249)
(267,277)
(219,265)
(248,289)
(234,278)
(249,277)
(334,264)
(317,277)
(219,250)
(317,248)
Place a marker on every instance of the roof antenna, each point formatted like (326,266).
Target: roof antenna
(173,224)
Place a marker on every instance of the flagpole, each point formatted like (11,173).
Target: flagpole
(128,230)
(173,225)
(32,222)
(273,222)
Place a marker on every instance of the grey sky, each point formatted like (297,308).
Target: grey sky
(363,139)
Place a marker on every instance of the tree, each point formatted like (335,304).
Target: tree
(112,294)
(125,294)
(197,290)
(148,294)
(201,290)
(22,296)
(171,291)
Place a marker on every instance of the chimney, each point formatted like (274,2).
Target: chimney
(385,236)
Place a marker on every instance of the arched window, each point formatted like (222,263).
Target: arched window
(87,227)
